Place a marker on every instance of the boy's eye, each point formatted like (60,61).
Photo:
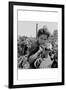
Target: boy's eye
(44,38)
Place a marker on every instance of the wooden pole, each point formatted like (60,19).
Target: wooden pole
(36,29)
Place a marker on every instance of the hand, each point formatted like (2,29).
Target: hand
(40,49)
(37,62)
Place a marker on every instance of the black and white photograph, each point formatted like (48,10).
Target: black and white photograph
(36,44)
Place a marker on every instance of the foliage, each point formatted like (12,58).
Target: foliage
(39,55)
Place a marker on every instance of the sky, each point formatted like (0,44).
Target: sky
(28,28)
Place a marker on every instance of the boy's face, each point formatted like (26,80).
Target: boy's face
(42,39)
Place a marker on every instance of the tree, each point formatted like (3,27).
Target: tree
(55,34)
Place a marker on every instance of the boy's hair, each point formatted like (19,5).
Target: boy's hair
(43,31)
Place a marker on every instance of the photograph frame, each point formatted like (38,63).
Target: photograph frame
(11,48)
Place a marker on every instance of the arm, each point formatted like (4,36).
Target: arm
(34,56)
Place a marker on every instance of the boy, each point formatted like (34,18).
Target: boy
(39,47)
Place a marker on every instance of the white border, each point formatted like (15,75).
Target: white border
(38,75)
